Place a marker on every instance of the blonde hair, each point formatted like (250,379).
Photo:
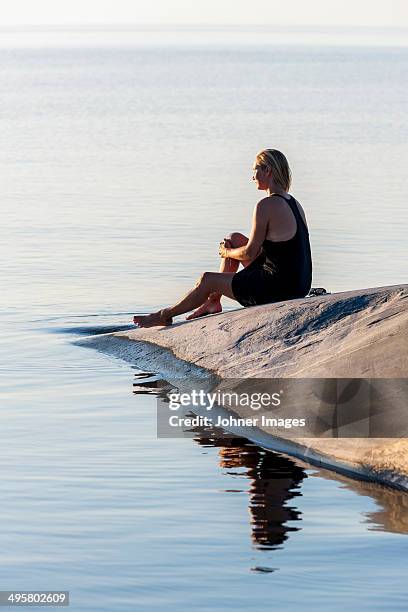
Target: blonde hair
(277,162)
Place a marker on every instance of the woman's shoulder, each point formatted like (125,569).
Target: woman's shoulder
(280,209)
(275,203)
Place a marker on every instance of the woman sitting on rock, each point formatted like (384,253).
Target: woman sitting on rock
(276,257)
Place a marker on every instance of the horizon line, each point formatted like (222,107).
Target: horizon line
(132,25)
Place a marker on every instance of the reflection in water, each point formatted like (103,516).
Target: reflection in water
(274,480)
(391,514)
(149,383)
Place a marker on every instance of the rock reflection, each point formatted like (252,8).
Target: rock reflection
(391,514)
(149,383)
(274,481)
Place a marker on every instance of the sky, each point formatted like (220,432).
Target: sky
(372,13)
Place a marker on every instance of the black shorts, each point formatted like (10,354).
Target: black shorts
(255,285)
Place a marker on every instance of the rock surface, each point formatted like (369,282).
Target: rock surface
(361,333)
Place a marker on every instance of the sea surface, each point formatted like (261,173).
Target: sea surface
(125,158)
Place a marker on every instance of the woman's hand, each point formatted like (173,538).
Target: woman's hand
(222,251)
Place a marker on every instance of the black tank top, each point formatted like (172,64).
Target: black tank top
(290,261)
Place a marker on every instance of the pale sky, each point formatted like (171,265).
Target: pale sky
(267,12)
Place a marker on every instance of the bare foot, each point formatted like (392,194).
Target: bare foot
(156,318)
(209,307)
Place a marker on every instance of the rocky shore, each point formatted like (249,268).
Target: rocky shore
(356,334)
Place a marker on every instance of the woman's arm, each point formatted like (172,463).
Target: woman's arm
(257,236)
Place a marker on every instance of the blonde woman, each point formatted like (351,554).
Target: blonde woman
(276,257)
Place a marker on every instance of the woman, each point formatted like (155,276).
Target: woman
(276,257)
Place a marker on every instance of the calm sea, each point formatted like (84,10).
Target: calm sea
(125,158)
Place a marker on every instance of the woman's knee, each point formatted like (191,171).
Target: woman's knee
(204,279)
(236,239)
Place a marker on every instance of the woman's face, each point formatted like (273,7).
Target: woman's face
(260,176)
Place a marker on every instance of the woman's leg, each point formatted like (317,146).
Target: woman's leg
(210,282)
(227,266)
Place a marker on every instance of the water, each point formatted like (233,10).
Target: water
(123,165)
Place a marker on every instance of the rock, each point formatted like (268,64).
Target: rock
(356,334)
